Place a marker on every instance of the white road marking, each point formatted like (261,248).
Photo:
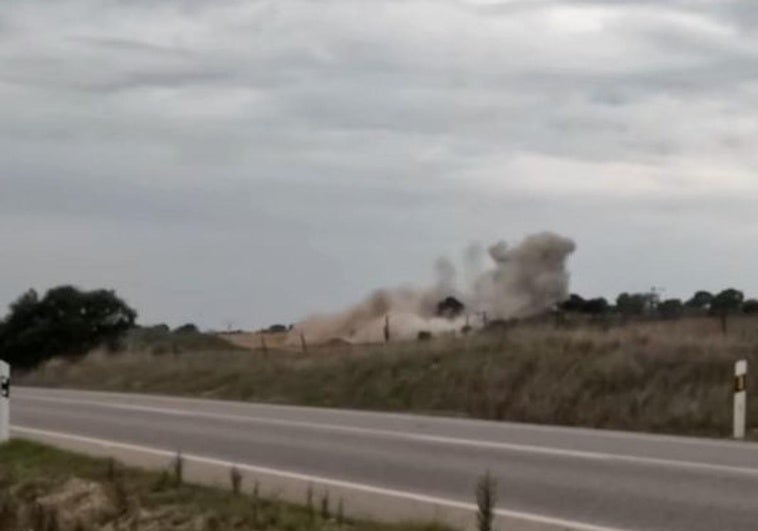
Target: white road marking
(416,437)
(316,479)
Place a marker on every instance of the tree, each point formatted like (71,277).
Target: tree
(189,328)
(66,322)
(631,304)
(574,304)
(750,307)
(598,306)
(727,302)
(578,304)
(671,309)
(701,300)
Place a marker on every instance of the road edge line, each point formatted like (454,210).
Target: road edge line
(443,509)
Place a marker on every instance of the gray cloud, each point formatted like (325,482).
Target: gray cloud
(198,156)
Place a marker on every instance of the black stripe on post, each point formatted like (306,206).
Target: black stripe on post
(740,383)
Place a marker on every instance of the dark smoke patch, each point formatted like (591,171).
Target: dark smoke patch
(450,308)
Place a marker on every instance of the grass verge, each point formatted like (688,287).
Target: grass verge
(44,489)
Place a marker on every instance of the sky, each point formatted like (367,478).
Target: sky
(240,163)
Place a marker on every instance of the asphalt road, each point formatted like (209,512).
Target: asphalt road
(608,479)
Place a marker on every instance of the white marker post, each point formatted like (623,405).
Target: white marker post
(5,401)
(740,398)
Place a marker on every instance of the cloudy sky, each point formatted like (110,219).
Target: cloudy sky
(249,162)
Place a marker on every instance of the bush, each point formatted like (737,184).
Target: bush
(671,309)
(188,328)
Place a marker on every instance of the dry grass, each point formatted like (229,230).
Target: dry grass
(43,489)
(661,376)
(255,340)
(162,341)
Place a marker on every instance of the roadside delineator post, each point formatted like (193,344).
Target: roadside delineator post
(5,399)
(740,398)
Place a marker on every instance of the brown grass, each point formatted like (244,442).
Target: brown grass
(42,489)
(658,376)
(255,340)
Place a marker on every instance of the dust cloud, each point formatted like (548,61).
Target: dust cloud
(520,281)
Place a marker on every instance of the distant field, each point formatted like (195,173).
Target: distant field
(42,489)
(255,340)
(160,340)
(673,377)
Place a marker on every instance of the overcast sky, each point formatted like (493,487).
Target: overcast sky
(252,162)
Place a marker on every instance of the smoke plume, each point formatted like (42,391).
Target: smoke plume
(522,281)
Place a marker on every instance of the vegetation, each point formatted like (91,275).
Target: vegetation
(485,502)
(277,329)
(641,364)
(661,376)
(189,328)
(649,304)
(65,322)
(44,489)
(160,339)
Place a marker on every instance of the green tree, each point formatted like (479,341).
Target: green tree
(671,309)
(189,328)
(750,307)
(634,304)
(598,306)
(574,304)
(701,300)
(66,322)
(727,302)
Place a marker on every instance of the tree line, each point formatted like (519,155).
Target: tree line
(68,322)
(649,304)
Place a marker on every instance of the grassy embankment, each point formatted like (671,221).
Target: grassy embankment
(671,377)
(42,489)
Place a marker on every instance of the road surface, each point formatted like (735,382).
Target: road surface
(602,479)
